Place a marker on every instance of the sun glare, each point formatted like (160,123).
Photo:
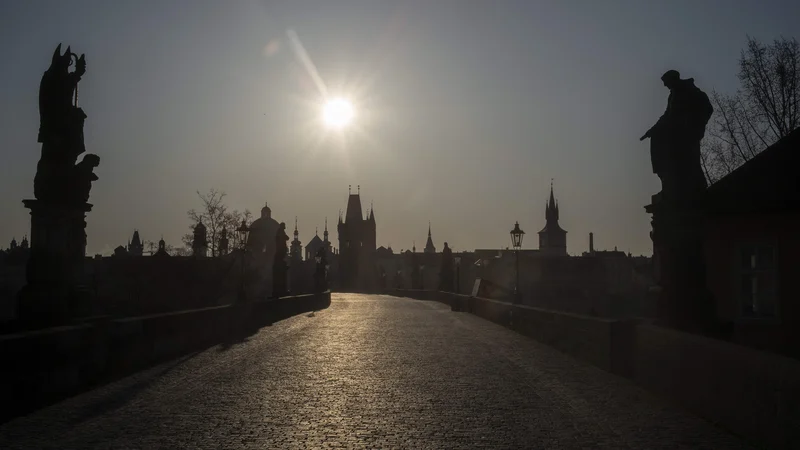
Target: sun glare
(338,113)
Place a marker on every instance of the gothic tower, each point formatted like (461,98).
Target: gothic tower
(357,245)
(135,246)
(552,238)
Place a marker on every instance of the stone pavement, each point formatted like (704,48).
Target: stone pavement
(369,372)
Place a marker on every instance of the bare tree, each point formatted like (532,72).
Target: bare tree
(765,109)
(233,221)
(216,217)
(178,251)
(212,215)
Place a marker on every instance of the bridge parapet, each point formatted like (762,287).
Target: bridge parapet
(46,365)
(752,393)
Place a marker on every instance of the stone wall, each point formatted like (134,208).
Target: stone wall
(44,366)
(751,393)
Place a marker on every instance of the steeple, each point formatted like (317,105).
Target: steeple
(325,233)
(552,238)
(296,250)
(551,210)
(135,245)
(371,213)
(429,247)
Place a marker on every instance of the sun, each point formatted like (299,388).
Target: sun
(338,113)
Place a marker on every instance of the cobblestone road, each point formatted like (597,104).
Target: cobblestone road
(369,372)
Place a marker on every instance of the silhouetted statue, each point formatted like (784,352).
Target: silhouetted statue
(675,139)
(61,126)
(83,178)
(446,270)
(279,267)
(56,282)
(684,301)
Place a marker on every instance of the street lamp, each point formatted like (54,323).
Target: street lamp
(457,260)
(516,240)
(422,276)
(243,231)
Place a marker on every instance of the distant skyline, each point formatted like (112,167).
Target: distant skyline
(464,110)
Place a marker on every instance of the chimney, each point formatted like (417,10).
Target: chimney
(591,243)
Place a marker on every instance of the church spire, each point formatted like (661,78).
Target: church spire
(552,238)
(429,247)
(325,234)
(551,210)
(296,233)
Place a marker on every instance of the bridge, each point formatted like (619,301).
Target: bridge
(370,371)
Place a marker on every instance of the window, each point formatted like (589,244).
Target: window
(757,281)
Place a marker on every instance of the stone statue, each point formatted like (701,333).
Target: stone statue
(60,128)
(83,178)
(56,280)
(675,138)
(446,270)
(279,266)
(683,300)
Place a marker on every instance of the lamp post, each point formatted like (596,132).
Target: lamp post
(516,240)
(457,260)
(422,277)
(243,232)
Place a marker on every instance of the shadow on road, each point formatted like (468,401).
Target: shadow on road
(121,398)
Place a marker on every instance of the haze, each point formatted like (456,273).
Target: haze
(466,110)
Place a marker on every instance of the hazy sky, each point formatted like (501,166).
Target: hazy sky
(465,109)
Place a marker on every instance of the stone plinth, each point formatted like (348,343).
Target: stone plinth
(55,267)
(683,300)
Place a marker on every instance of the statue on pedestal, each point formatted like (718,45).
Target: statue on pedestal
(279,266)
(61,188)
(684,301)
(675,139)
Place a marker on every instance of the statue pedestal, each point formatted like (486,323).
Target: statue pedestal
(683,300)
(55,267)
